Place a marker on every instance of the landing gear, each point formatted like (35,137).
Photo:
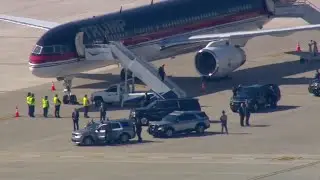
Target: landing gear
(68,98)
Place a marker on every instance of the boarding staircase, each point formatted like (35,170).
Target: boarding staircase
(299,9)
(146,72)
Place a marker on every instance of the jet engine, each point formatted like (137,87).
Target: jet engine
(219,61)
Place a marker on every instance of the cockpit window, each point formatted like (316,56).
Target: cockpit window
(37,49)
(55,49)
(47,50)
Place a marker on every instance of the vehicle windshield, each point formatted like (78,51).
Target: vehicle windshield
(170,118)
(246,91)
(92,125)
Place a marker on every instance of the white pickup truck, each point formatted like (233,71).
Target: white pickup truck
(115,94)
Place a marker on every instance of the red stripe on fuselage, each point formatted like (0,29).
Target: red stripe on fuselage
(38,59)
(191,27)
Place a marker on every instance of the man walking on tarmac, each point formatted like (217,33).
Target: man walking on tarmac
(29,103)
(138,126)
(75,119)
(247,113)
(162,72)
(57,104)
(224,120)
(45,106)
(242,114)
(85,102)
(103,112)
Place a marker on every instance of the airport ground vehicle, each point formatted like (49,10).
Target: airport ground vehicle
(179,122)
(94,133)
(158,109)
(116,94)
(314,87)
(258,96)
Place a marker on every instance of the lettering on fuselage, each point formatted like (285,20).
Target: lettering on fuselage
(106,29)
(115,30)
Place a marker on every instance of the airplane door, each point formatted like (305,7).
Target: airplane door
(270,6)
(79,44)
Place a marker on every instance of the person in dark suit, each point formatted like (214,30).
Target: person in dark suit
(162,72)
(103,112)
(242,114)
(75,119)
(138,126)
(247,113)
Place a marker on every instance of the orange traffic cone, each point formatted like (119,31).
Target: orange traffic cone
(298,48)
(53,88)
(17,112)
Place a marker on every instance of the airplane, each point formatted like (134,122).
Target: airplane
(216,30)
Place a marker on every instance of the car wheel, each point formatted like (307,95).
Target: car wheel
(144,121)
(87,141)
(124,138)
(200,129)
(169,133)
(97,101)
(255,107)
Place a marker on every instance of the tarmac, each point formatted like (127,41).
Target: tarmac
(282,144)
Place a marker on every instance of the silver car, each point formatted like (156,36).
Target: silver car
(180,122)
(94,133)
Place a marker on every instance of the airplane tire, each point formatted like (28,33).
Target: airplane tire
(73,99)
(65,99)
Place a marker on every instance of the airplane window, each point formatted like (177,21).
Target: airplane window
(47,50)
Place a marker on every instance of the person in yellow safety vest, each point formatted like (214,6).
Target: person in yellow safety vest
(57,104)
(85,102)
(32,104)
(45,106)
(29,103)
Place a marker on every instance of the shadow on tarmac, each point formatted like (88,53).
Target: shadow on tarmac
(271,73)
(130,143)
(279,108)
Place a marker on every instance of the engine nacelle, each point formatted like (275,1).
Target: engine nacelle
(219,61)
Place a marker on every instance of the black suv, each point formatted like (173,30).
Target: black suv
(158,109)
(314,87)
(258,96)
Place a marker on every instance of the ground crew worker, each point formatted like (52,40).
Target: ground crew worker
(45,106)
(57,104)
(85,102)
(103,112)
(162,72)
(75,119)
(138,126)
(247,113)
(32,104)
(223,120)
(29,103)
(242,114)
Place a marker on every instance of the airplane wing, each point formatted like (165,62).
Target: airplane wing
(45,25)
(251,34)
